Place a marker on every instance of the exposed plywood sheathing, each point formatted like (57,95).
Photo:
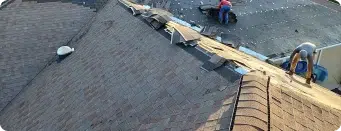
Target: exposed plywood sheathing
(160,12)
(278,76)
(187,33)
(269,98)
(136,8)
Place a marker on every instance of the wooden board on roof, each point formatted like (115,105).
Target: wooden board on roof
(278,76)
(130,4)
(186,32)
(137,7)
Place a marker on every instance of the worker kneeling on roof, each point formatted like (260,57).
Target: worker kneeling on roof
(304,51)
(225,7)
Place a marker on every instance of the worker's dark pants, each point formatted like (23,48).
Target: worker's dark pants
(224,13)
(294,63)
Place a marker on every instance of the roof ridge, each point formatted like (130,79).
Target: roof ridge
(258,83)
(285,109)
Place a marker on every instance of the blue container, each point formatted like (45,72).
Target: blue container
(321,73)
(300,68)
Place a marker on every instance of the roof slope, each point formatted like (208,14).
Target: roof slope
(123,75)
(131,79)
(252,107)
(264,105)
(266,26)
(271,99)
(30,34)
(270,93)
(250,63)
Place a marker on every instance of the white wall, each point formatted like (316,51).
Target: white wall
(331,59)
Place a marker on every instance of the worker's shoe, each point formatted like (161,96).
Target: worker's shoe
(290,73)
(308,80)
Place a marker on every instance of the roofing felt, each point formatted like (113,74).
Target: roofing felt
(123,75)
(265,26)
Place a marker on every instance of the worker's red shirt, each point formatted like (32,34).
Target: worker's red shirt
(224,2)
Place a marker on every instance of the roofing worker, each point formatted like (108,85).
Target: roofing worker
(304,51)
(225,7)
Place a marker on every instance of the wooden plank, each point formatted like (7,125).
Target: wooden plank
(137,7)
(278,76)
(187,33)
(131,4)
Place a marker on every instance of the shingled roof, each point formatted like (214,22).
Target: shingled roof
(263,105)
(126,76)
(269,99)
(30,34)
(265,26)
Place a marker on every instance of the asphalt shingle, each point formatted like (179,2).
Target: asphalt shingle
(123,75)
(268,27)
(30,35)
(282,109)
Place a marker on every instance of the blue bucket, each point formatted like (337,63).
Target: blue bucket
(321,73)
(300,68)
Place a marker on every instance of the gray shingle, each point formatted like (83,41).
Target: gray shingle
(268,27)
(96,84)
(30,39)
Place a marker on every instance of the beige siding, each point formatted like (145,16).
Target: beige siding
(331,59)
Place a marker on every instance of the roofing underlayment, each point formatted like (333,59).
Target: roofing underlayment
(267,26)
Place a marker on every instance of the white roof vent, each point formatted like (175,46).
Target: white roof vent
(64,50)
